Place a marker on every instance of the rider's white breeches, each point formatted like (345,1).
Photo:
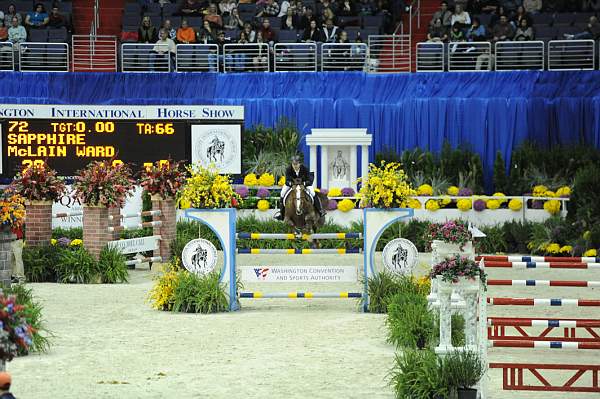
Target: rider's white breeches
(286,188)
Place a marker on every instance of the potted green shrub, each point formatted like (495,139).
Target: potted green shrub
(462,371)
(418,374)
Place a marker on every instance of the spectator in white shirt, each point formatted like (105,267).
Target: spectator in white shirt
(460,16)
(165,47)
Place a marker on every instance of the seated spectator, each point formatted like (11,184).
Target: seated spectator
(215,59)
(437,32)
(260,60)
(476,32)
(503,30)
(482,6)
(271,9)
(592,31)
(213,17)
(226,6)
(290,21)
(190,8)
(170,30)
(532,6)
(3,31)
(326,10)
(56,19)
(457,34)
(250,33)
(365,8)
(307,17)
(283,8)
(186,34)
(346,8)
(208,33)
(233,20)
(460,17)
(12,12)
(524,31)
(520,15)
(163,50)
(329,32)
(239,55)
(500,11)
(268,34)
(444,14)
(38,18)
(147,32)
(312,34)
(16,33)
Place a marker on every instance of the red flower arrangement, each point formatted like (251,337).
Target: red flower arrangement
(452,269)
(16,335)
(454,232)
(164,179)
(103,184)
(38,182)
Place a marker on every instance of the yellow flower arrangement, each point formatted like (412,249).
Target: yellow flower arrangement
(539,190)
(432,205)
(464,204)
(553,248)
(76,242)
(566,249)
(453,190)
(12,211)
(493,204)
(281,181)
(266,179)
(161,294)
(53,241)
(206,188)
(425,189)
(552,206)
(414,203)
(423,283)
(345,205)
(387,187)
(549,193)
(184,203)
(334,192)
(500,197)
(262,205)
(250,180)
(515,204)
(445,200)
(564,191)
(590,253)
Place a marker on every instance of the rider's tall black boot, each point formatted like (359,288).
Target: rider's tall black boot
(281,214)
(319,206)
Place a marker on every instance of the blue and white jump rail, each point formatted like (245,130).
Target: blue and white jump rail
(223,223)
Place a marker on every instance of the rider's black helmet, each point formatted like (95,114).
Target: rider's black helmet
(296,159)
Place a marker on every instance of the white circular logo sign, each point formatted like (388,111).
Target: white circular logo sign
(199,256)
(400,256)
(216,147)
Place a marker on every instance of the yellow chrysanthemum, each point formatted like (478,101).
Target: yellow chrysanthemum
(552,206)
(76,242)
(262,205)
(453,190)
(432,205)
(464,204)
(414,203)
(250,180)
(425,189)
(493,204)
(53,241)
(515,204)
(500,197)
(564,191)
(590,252)
(335,192)
(281,181)
(553,248)
(445,201)
(266,179)
(184,203)
(549,193)
(539,190)
(566,249)
(345,205)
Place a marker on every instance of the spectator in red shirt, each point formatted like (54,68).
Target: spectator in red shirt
(268,34)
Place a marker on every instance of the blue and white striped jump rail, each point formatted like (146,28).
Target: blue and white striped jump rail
(534,322)
(298,251)
(300,295)
(291,236)
(543,344)
(545,283)
(571,259)
(543,302)
(542,265)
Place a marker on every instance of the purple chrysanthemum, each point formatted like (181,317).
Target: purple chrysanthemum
(242,191)
(348,192)
(263,193)
(63,241)
(465,192)
(324,191)
(332,205)
(479,205)
(537,204)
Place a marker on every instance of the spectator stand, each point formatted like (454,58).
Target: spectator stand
(44,57)
(295,57)
(565,55)
(140,57)
(197,58)
(252,57)
(7,56)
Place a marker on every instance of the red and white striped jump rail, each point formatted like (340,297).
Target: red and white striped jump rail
(543,344)
(503,258)
(545,283)
(542,265)
(542,302)
(568,330)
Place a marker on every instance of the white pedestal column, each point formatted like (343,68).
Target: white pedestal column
(353,161)
(313,165)
(444,296)
(324,167)
(364,162)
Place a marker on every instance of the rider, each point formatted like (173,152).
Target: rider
(297,171)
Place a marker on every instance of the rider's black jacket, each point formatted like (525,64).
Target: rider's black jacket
(303,173)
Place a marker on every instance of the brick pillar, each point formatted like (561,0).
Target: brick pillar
(116,221)
(95,229)
(38,223)
(6,237)
(168,230)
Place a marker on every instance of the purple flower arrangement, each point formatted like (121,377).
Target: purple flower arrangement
(465,192)
(331,205)
(479,205)
(348,192)
(454,232)
(63,241)
(15,333)
(324,191)
(263,192)
(537,204)
(452,269)
(242,191)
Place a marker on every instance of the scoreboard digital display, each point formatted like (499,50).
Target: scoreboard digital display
(69,137)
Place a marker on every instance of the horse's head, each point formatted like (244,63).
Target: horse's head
(298,192)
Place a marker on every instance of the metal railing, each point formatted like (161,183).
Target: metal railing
(95,19)
(295,57)
(470,56)
(343,56)
(94,53)
(7,56)
(44,57)
(519,55)
(430,57)
(246,57)
(565,55)
(137,57)
(197,58)
(389,53)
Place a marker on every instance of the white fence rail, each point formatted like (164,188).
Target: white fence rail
(343,56)
(470,56)
(94,53)
(389,53)
(7,56)
(137,57)
(512,56)
(295,57)
(565,55)
(246,57)
(430,57)
(44,57)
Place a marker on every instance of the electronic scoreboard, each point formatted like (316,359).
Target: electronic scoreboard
(136,135)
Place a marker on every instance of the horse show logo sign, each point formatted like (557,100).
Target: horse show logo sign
(219,145)
(400,256)
(199,256)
